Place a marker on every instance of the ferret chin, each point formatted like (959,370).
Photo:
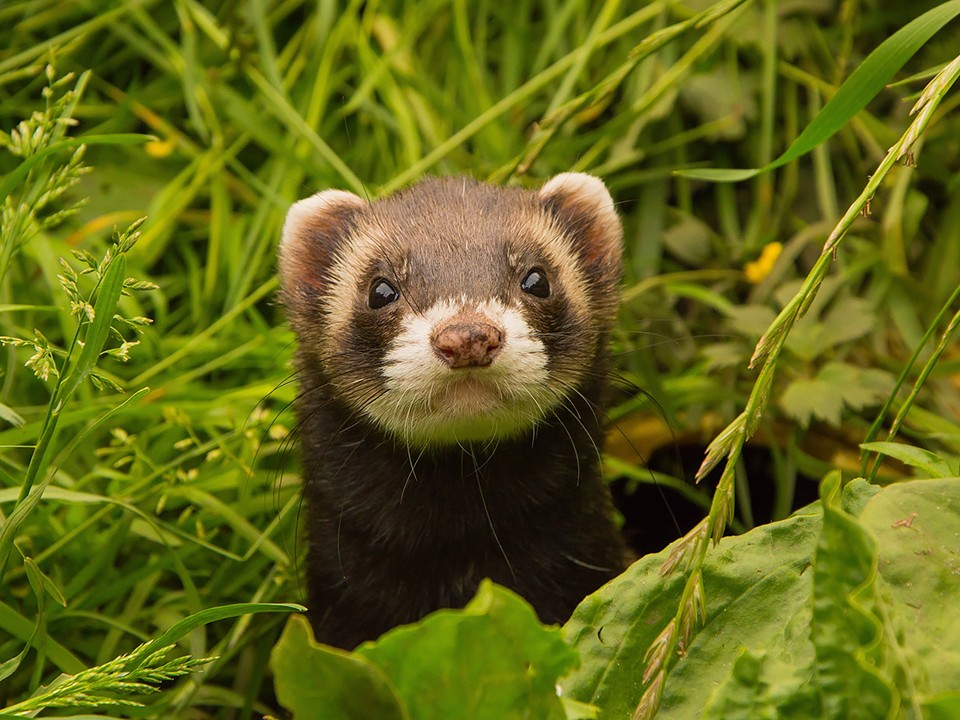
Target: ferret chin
(452,356)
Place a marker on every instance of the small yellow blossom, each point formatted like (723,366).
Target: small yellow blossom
(757,270)
(159,148)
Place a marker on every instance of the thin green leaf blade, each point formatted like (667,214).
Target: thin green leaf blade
(719,174)
(110,289)
(15,177)
(868,79)
(912,456)
(222,612)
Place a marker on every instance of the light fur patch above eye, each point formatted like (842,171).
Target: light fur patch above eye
(348,273)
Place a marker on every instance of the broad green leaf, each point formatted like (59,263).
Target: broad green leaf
(750,320)
(913,456)
(764,687)
(724,354)
(744,695)
(852,96)
(688,240)
(848,319)
(782,640)
(859,387)
(579,711)
(315,682)
(809,398)
(844,629)
(757,588)
(917,526)
(836,385)
(491,660)
(942,707)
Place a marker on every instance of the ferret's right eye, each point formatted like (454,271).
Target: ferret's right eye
(536,283)
(382,294)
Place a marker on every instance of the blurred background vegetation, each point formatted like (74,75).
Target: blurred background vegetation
(186,497)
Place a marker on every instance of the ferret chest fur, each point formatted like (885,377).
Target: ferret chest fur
(452,350)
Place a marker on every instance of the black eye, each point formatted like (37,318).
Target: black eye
(536,283)
(382,294)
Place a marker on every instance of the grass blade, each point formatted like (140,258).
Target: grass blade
(205,617)
(16,176)
(852,96)
(107,300)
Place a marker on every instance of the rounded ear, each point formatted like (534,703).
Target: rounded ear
(583,207)
(314,229)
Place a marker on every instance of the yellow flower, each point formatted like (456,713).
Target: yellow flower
(159,148)
(757,270)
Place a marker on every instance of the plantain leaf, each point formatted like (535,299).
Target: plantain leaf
(492,660)
(316,682)
(764,687)
(840,611)
(757,592)
(845,629)
(916,525)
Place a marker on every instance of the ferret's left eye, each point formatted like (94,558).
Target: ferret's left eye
(536,283)
(382,294)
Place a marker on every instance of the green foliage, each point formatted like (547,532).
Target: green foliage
(859,89)
(837,386)
(490,660)
(820,615)
(150,499)
(137,673)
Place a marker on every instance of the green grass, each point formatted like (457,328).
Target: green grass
(135,494)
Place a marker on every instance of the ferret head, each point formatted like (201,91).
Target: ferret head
(453,311)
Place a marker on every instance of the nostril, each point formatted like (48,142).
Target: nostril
(467,344)
(493,342)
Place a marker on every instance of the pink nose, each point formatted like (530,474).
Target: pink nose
(467,344)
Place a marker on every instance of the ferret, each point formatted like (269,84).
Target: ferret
(452,355)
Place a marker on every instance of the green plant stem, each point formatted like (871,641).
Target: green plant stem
(110,287)
(915,390)
(907,369)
